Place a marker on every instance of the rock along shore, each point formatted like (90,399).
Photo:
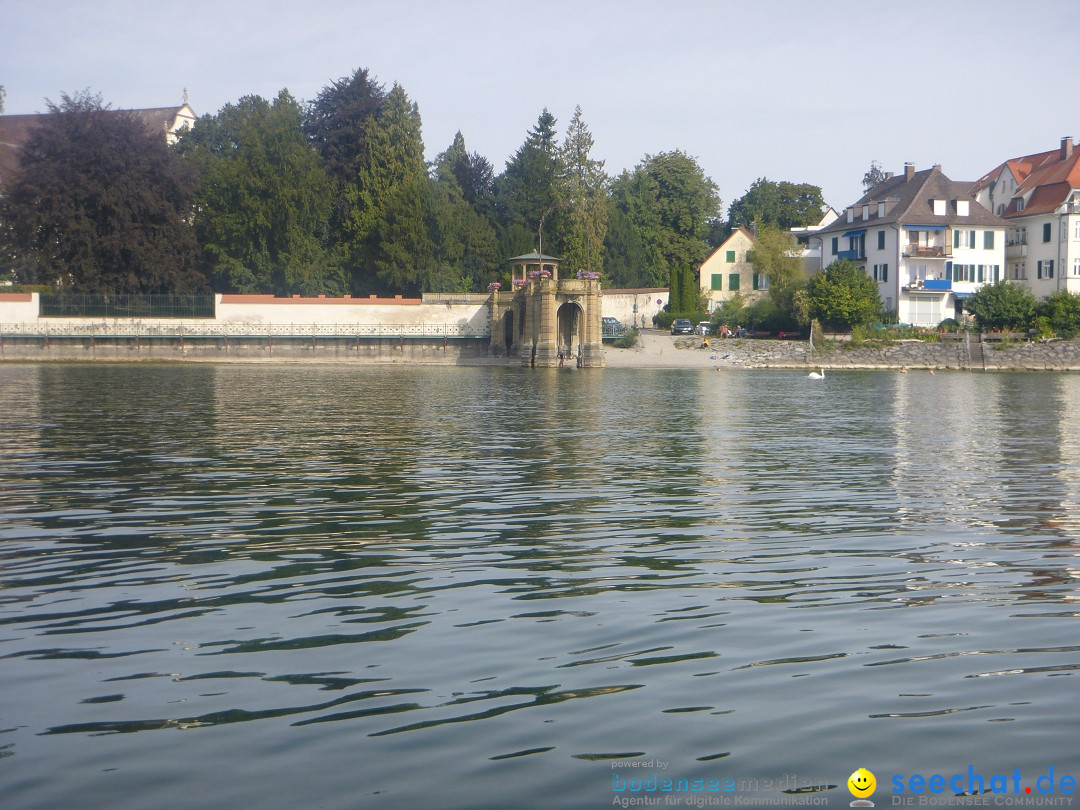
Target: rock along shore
(660,350)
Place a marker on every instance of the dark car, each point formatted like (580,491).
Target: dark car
(611,327)
(682,326)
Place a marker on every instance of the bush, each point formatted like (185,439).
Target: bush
(626,340)
(949,325)
(1002,306)
(1062,312)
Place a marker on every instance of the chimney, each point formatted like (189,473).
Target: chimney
(888,175)
(1066,147)
(909,171)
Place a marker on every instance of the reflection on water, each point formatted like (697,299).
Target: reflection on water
(401,587)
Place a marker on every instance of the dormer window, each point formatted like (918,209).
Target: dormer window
(866,212)
(963,208)
(939,207)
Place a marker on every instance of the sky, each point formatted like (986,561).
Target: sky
(798,90)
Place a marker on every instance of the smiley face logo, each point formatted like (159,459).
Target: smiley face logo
(862,783)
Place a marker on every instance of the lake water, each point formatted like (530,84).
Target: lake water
(387,587)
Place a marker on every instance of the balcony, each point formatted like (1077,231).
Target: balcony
(928,285)
(927,252)
(1017,250)
(852,255)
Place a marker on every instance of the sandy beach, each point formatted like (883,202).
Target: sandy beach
(657,349)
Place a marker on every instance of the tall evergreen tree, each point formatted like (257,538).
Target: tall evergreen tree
(263,210)
(465,243)
(473,174)
(337,122)
(582,188)
(100,204)
(391,203)
(525,191)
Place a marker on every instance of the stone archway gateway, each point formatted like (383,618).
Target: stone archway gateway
(546,314)
(571,324)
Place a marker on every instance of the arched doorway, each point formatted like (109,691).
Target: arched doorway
(571,325)
(508,330)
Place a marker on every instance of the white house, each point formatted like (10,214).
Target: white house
(727,271)
(925,241)
(1039,197)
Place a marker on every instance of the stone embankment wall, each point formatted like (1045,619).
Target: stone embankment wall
(1054,355)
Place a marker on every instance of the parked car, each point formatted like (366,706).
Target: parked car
(611,327)
(704,328)
(682,326)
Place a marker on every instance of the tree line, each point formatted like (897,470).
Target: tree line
(334,196)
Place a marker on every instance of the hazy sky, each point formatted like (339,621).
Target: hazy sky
(790,90)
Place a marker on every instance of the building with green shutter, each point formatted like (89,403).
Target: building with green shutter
(924,239)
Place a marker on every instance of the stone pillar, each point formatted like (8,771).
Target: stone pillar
(592,349)
(547,344)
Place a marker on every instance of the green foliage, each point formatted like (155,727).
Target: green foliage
(627,340)
(731,312)
(624,254)
(265,202)
(1002,306)
(949,325)
(670,202)
(581,186)
(1062,312)
(764,315)
(525,191)
(842,296)
(776,255)
(337,123)
(780,205)
(100,204)
(683,293)
(874,177)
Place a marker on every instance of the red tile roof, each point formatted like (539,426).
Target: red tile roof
(1049,181)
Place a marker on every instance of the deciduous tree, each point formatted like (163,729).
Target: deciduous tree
(842,296)
(776,256)
(263,209)
(874,177)
(782,205)
(100,204)
(670,201)
(1002,306)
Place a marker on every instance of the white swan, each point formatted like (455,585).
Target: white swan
(813,375)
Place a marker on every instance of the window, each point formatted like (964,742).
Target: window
(717,281)
(997,273)
(981,276)
(1046,232)
(733,281)
(876,272)
(884,272)
(835,245)
(731,257)
(1076,267)
(761,282)
(881,240)
(1048,266)
(988,240)
(939,207)
(1076,231)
